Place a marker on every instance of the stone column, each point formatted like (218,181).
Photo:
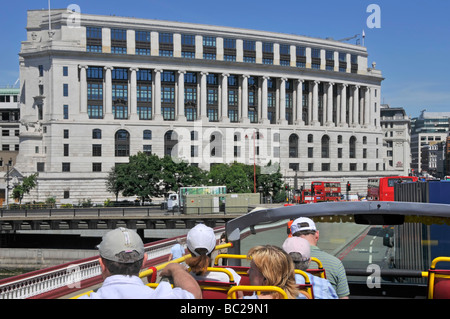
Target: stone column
(343,121)
(133,94)
(282,116)
(329,119)
(244,104)
(299,104)
(157,96)
(367,99)
(83,90)
(180,116)
(356,106)
(264,119)
(108,93)
(203,96)
(224,103)
(315,106)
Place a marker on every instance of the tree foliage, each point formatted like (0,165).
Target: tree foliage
(149,176)
(28,183)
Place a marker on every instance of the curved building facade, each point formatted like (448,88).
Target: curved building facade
(107,87)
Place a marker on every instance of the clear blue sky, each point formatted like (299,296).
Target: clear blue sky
(412,46)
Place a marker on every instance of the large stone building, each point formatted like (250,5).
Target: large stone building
(106,87)
(397,136)
(429,128)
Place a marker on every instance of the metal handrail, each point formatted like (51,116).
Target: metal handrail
(68,278)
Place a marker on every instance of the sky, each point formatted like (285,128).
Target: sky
(408,40)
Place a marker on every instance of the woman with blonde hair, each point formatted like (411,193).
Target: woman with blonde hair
(272,266)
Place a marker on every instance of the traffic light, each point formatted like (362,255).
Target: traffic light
(349,186)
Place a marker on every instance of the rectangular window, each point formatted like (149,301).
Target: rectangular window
(209,41)
(145,112)
(96,167)
(96,149)
(147,149)
(66,149)
(65,89)
(95,111)
(93,39)
(66,133)
(66,167)
(40,167)
(66,112)
(65,71)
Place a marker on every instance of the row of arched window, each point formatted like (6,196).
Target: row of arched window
(122,142)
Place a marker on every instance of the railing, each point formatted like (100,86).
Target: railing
(62,280)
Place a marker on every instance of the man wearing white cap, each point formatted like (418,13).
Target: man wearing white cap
(305,228)
(121,256)
(299,250)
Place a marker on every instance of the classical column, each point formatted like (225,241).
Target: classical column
(157,96)
(83,90)
(329,119)
(264,119)
(180,116)
(203,96)
(244,104)
(315,106)
(344,106)
(356,106)
(338,104)
(224,104)
(299,103)
(282,117)
(133,94)
(108,93)
(367,107)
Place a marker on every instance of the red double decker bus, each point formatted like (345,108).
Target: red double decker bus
(326,191)
(382,188)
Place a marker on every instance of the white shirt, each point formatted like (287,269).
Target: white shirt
(132,287)
(219,276)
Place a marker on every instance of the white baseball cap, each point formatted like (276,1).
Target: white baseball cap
(201,237)
(121,240)
(301,224)
(297,245)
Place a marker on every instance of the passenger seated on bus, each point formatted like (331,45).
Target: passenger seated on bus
(201,242)
(299,250)
(306,228)
(272,266)
(121,256)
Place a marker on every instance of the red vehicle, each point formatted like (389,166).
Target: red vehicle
(382,189)
(305,197)
(326,191)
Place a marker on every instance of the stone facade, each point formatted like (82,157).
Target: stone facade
(109,87)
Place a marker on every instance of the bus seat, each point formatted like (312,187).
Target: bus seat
(307,286)
(319,271)
(439,280)
(215,289)
(233,295)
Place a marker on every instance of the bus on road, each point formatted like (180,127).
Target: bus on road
(382,189)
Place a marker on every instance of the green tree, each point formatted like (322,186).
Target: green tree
(141,176)
(28,183)
(114,181)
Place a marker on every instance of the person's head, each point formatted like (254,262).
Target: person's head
(304,227)
(272,266)
(200,241)
(299,250)
(122,253)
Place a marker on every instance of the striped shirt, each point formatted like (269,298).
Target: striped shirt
(334,270)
